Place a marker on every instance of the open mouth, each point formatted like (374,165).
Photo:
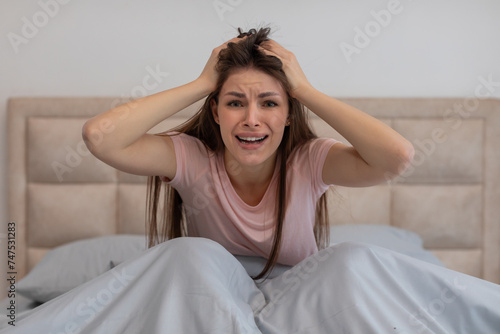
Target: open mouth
(251,140)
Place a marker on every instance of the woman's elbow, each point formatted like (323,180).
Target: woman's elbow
(93,134)
(403,158)
(407,156)
(87,135)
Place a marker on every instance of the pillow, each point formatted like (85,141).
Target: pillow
(393,238)
(67,266)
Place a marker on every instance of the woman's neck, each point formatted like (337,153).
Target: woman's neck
(250,182)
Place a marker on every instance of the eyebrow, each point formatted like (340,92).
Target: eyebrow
(261,95)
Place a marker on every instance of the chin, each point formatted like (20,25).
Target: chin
(252,161)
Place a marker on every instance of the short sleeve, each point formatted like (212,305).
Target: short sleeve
(317,151)
(188,147)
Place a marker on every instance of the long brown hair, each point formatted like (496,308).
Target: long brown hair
(203,126)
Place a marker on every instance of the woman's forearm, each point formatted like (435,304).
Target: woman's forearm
(377,143)
(121,126)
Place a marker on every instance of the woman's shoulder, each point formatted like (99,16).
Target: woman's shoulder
(189,147)
(307,160)
(313,147)
(311,154)
(183,139)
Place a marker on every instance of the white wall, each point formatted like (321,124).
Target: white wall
(103,48)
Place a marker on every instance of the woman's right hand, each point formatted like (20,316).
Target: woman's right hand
(209,74)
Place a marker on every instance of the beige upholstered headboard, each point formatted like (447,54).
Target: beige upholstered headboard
(450,195)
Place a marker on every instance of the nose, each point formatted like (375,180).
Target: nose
(252,116)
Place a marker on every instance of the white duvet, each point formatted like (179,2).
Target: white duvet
(193,285)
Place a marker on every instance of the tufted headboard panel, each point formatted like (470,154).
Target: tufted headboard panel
(450,195)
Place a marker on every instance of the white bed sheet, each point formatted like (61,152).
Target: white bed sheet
(193,285)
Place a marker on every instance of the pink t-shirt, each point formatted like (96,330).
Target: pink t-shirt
(215,211)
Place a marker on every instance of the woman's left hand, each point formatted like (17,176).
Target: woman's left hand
(291,67)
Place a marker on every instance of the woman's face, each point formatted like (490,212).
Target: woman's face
(252,113)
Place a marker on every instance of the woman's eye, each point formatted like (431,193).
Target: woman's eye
(234,104)
(270,104)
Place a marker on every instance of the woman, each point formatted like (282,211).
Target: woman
(249,176)
(252,142)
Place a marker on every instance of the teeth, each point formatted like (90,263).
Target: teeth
(251,138)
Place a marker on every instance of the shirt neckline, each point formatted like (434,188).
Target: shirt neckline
(229,186)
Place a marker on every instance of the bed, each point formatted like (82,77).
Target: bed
(447,201)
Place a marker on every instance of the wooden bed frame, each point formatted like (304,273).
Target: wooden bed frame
(58,192)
